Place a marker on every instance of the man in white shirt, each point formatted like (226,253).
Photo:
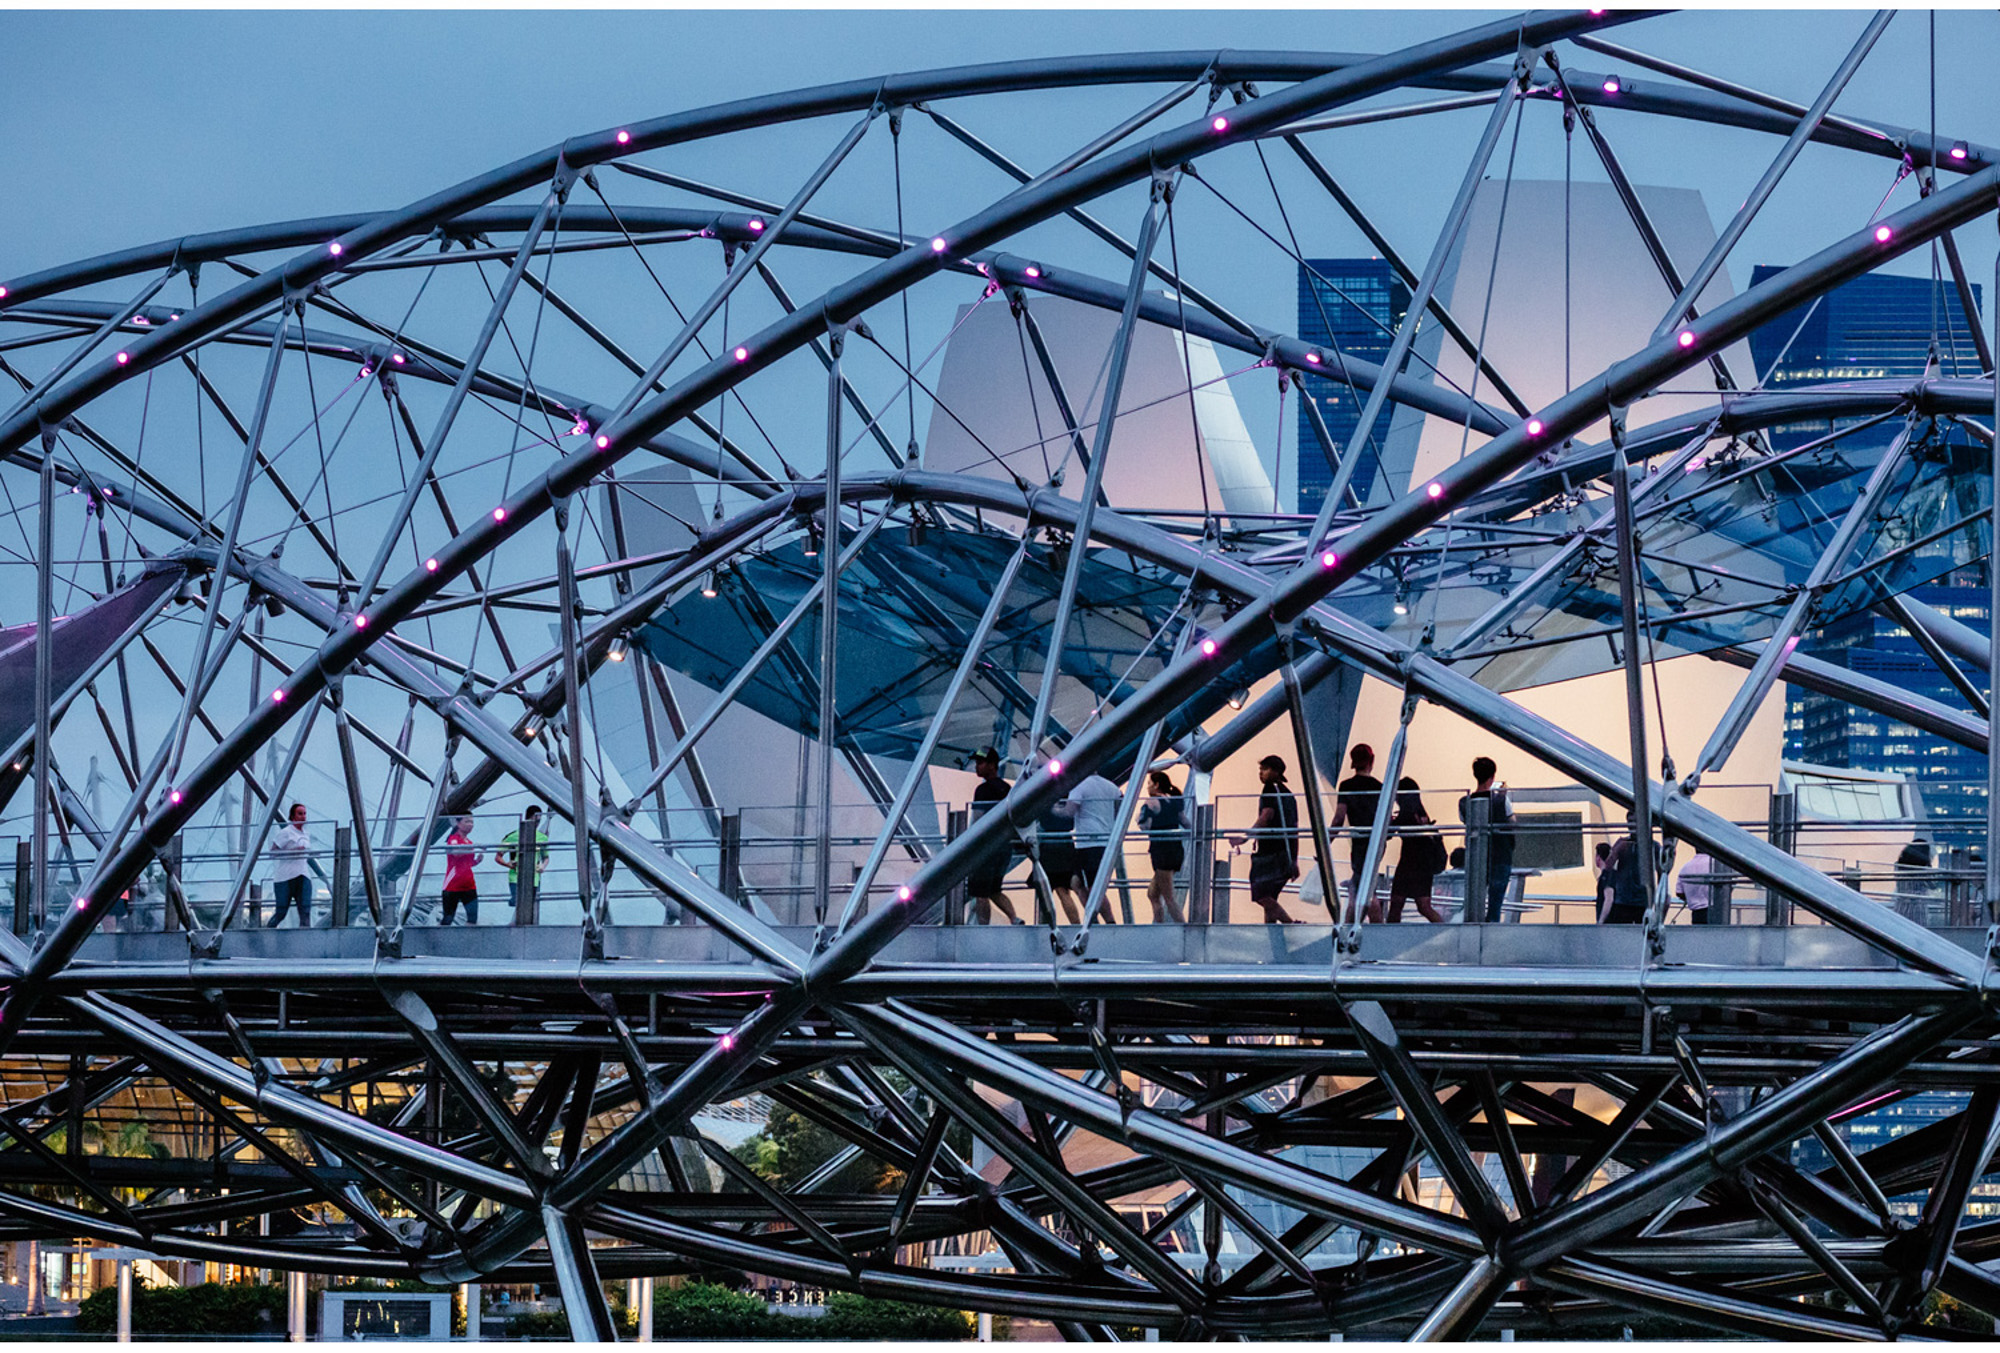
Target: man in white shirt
(290,847)
(1093,807)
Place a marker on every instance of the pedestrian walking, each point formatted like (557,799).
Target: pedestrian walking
(460,889)
(1163,817)
(291,848)
(1359,799)
(1500,838)
(988,881)
(1422,857)
(1274,861)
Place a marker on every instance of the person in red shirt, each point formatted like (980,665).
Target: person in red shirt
(459,887)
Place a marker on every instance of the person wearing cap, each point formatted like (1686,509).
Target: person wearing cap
(989,877)
(1275,860)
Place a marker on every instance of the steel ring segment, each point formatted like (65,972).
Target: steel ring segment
(300,273)
(1634,95)
(1019,210)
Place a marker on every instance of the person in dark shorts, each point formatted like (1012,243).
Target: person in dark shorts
(1055,848)
(1163,818)
(1422,858)
(987,884)
(1275,860)
(1360,798)
(1500,839)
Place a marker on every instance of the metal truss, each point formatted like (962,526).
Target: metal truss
(1402,1135)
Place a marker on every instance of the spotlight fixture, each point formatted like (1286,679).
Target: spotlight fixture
(1959,150)
(708,587)
(1613,84)
(615,650)
(1239,698)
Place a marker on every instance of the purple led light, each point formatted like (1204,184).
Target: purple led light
(603,442)
(728,1042)
(1534,427)
(366,372)
(173,796)
(756,225)
(1218,123)
(1312,358)
(3,296)
(499,514)
(903,893)
(83,904)
(1686,339)
(938,245)
(1208,648)
(1032,271)
(1055,768)
(334,248)
(1328,559)
(140,321)
(1612,85)
(395,357)
(1694,464)
(430,566)
(624,138)
(360,622)
(278,696)
(1882,234)
(742,354)
(1958,152)
(124,357)
(1436,490)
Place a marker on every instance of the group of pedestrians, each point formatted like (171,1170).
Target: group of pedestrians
(1071,840)
(291,850)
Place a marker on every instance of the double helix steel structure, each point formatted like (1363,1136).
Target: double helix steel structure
(408,564)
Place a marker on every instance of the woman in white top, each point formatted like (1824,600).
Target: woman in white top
(290,848)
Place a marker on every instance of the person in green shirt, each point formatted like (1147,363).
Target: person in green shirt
(509,853)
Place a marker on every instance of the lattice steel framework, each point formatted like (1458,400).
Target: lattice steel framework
(531,1094)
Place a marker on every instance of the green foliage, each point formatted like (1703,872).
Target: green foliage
(710,1311)
(853,1317)
(792,1146)
(538,1325)
(1941,1311)
(187,1312)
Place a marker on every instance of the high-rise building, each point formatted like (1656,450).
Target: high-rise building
(1350,307)
(1879,327)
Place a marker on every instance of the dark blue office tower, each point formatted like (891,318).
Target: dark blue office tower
(1350,307)
(1873,328)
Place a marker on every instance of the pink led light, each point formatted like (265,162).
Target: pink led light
(1218,123)
(366,372)
(1436,490)
(728,1042)
(430,566)
(395,357)
(278,696)
(1534,427)
(3,295)
(1055,767)
(1328,559)
(173,796)
(1612,85)
(1208,648)
(499,514)
(361,622)
(756,225)
(1312,358)
(1032,271)
(938,245)
(1882,234)
(903,893)
(124,357)
(743,354)
(624,138)
(1958,152)
(140,321)
(176,315)
(603,442)
(83,904)
(335,248)
(1686,339)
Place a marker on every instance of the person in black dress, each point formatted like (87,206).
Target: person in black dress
(1055,848)
(1423,854)
(1360,799)
(1275,861)
(988,881)
(1163,818)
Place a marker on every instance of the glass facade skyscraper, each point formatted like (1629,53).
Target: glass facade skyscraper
(1349,306)
(1878,327)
